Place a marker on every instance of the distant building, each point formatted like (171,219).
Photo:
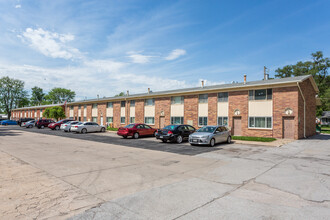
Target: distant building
(325,118)
(3,116)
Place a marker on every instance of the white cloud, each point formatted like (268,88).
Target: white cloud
(18,6)
(139,58)
(208,82)
(50,44)
(175,54)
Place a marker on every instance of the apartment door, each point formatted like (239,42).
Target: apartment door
(101,120)
(237,126)
(288,128)
(161,122)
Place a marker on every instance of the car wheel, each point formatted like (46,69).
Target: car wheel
(102,129)
(136,135)
(164,141)
(179,139)
(124,137)
(57,128)
(6,124)
(212,142)
(30,126)
(229,140)
(84,131)
(42,126)
(154,134)
(69,129)
(65,130)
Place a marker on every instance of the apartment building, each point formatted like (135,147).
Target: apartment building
(279,108)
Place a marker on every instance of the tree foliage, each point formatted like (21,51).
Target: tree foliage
(55,112)
(318,68)
(120,94)
(12,94)
(37,96)
(60,95)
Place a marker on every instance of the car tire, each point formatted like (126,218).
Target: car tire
(179,139)
(102,129)
(69,129)
(229,139)
(30,126)
(84,131)
(164,141)
(6,124)
(42,127)
(212,142)
(57,128)
(124,137)
(136,135)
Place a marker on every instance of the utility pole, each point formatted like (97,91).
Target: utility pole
(265,68)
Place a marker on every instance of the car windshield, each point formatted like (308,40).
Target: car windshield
(171,127)
(60,121)
(73,122)
(206,129)
(129,126)
(30,122)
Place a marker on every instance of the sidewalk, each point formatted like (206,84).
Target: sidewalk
(277,143)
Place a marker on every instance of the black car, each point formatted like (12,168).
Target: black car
(175,133)
(21,120)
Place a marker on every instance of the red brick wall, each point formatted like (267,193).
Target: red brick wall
(139,111)
(89,112)
(162,104)
(213,108)
(191,109)
(127,113)
(116,114)
(101,109)
(75,112)
(238,100)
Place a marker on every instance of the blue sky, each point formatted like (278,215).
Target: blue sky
(105,47)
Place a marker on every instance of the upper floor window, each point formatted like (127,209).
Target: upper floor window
(149,102)
(71,107)
(203,98)
(85,106)
(261,94)
(109,105)
(223,97)
(132,103)
(122,104)
(177,100)
(94,105)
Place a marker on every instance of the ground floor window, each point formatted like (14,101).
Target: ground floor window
(149,120)
(79,118)
(94,119)
(223,121)
(85,119)
(122,120)
(176,120)
(260,122)
(109,119)
(132,120)
(202,121)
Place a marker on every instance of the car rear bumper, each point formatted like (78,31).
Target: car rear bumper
(124,133)
(166,137)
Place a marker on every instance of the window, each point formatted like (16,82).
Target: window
(109,119)
(94,106)
(261,94)
(176,120)
(260,122)
(132,103)
(149,120)
(109,105)
(94,119)
(71,107)
(202,121)
(203,98)
(177,100)
(223,97)
(223,121)
(122,120)
(149,102)
(122,104)
(85,106)
(85,119)
(132,120)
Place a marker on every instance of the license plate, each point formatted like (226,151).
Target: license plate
(161,136)
(195,140)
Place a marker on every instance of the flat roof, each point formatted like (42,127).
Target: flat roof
(39,106)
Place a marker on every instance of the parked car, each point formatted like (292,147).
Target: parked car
(42,123)
(210,135)
(67,126)
(8,122)
(175,133)
(29,124)
(84,127)
(136,130)
(21,121)
(57,125)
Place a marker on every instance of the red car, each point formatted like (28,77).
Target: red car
(43,123)
(136,130)
(57,125)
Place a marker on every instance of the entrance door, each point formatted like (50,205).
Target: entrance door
(161,122)
(101,120)
(288,128)
(237,127)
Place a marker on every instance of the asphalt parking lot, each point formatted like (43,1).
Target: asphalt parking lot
(51,176)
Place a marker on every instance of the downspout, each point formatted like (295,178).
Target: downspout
(302,95)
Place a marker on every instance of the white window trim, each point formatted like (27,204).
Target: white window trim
(120,120)
(222,120)
(206,123)
(149,123)
(265,122)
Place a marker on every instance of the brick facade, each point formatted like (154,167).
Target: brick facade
(116,114)
(162,109)
(213,108)
(191,109)
(101,113)
(139,111)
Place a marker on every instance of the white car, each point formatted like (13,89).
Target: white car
(84,127)
(67,126)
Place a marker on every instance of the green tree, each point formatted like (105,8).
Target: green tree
(37,96)
(55,112)
(12,94)
(60,95)
(120,94)
(318,68)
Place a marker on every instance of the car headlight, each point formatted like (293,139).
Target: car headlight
(205,137)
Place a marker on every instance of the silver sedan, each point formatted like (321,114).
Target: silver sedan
(84,127)
(29,124)
(67,126)
(210,135)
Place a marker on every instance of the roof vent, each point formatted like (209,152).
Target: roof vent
(149,91)
(98,96)
(244,78)
(127,93)
(202,83)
